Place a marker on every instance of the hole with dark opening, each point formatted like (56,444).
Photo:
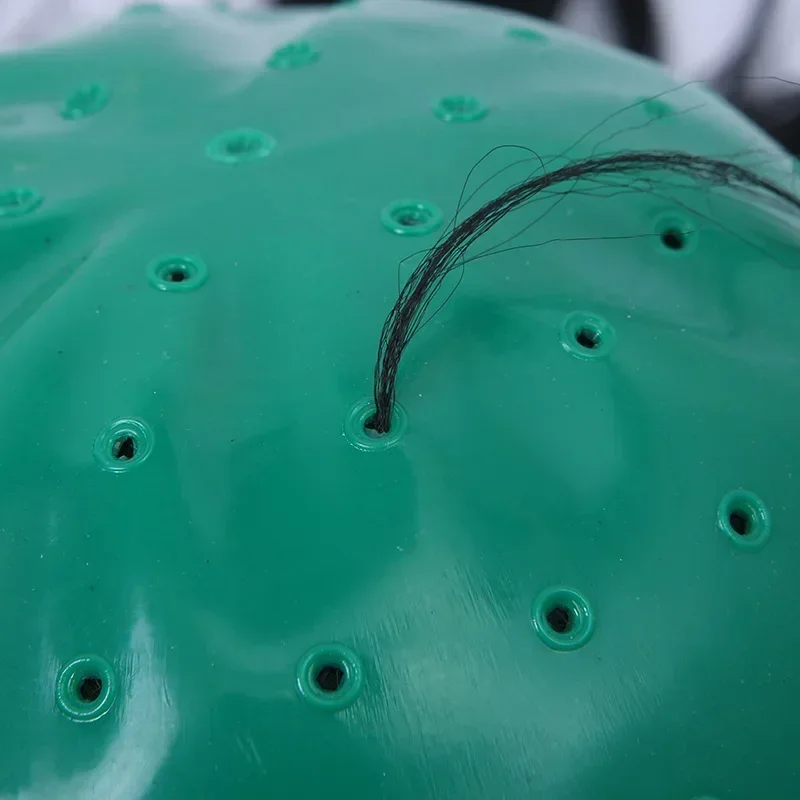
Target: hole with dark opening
(240,146)
(89,688)
(559,619)
(370,429)
(175,275)
(740,522)
(410,219)
(124,448)
(588,338)
(330,678)
(673,239)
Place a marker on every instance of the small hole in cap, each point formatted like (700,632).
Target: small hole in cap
(674,239)
(588,338)
(740,522)
(175,275)
(330,677)
(90,688)
(124,448)
(371,429)
(559,619)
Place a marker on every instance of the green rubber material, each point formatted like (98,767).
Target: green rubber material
(570,572)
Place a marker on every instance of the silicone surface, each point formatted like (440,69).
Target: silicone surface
(569,572)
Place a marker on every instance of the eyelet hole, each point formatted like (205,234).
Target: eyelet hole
(563,618)
(124,448)
(587,335)
(330,677)
(90,688)
(559,618)
(460,108)
(86,688)
(177,273)
(744,518)
(240,145)
(411,217)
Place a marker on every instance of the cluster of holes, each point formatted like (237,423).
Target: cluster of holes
(330,676)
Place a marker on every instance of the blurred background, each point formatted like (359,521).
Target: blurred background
(733,45)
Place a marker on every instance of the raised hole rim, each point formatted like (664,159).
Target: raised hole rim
(356,427)
(581,327)
(17,201)
(106,446)
(460,108)
(656,107)
(161,273)
(69,698)
(580,618)
(411,217)
(526,33)
(299,53)
(745,519)
(240,145)
(85,101)
(334,657)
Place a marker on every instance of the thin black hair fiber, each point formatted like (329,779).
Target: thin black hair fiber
(409,311)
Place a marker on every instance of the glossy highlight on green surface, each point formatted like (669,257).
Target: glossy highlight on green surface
(569,569)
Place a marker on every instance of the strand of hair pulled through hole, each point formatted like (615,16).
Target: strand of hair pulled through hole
(409,311)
